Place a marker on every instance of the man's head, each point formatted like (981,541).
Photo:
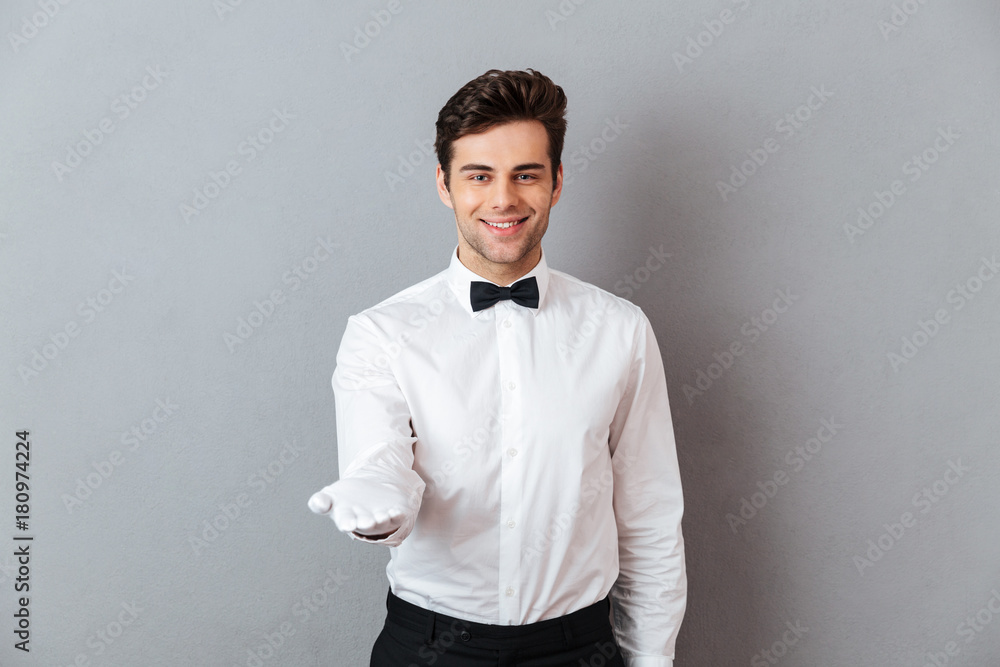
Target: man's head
(499,145)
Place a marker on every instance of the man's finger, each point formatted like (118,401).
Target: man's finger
(345,518)
(365,521)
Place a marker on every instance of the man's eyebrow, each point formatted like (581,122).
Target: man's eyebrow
(485,167)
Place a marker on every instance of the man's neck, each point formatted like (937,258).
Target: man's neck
(502,274)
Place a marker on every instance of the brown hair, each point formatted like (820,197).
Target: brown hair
(498,97)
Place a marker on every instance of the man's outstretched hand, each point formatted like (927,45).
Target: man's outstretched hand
(365,507)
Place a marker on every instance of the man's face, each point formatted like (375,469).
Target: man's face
(500,176)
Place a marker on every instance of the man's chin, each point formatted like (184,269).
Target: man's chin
(505,255)
(499,251)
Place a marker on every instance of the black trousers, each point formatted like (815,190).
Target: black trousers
(415,637)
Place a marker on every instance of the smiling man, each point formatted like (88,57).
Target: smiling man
(505,427)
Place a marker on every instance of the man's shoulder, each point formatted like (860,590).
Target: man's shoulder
(418,295)
(580,291)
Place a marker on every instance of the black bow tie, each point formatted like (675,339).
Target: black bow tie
(523,292)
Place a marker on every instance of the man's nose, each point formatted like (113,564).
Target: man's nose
(503,194)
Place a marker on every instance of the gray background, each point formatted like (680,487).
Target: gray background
(351,119)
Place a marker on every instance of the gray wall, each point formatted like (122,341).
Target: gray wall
(836,431)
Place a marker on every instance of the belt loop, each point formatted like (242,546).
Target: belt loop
(429,635)
(567,632)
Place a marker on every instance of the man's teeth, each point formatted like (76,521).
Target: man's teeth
(502,225)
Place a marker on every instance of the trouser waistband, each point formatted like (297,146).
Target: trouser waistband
(553,630)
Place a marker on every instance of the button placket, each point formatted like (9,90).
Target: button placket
(511,484)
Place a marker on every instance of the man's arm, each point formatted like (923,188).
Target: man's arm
(650,595)
(378,486)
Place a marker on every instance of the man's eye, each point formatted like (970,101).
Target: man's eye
(530,176)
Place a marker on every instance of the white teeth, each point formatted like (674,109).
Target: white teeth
(502,225)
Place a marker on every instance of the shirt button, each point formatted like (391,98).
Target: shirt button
(510,591)
(465,636)
(506,323)
(511,385)
(512,451)
(511,524)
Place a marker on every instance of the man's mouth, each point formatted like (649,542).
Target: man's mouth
(504,224)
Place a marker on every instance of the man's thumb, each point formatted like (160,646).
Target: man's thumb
(320,503)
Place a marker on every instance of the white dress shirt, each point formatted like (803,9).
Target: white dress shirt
(536,449)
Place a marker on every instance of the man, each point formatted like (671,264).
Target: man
(505,429)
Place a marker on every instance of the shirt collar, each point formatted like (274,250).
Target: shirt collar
(460,278)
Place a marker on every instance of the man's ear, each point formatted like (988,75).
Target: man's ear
(442,190)
(557,190)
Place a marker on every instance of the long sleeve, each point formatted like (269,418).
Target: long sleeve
(374,433)
(650,594)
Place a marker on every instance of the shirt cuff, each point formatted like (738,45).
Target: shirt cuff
(649,661)
(365,538)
